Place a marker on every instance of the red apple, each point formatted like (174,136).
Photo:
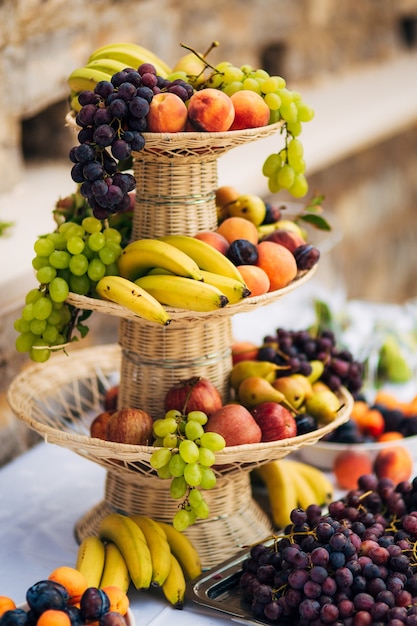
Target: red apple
(98,427)
(235,423)
(193,394)
(130,425)
(110,398)
(275,421)
(243,351)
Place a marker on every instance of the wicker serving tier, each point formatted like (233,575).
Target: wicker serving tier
(60,398)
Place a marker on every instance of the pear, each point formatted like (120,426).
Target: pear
(249,206)
(254,390)
(317,369)
(323,406)
(292,388)
(305,382)
(392,363)
(251,367)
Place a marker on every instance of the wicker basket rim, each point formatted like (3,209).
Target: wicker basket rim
(22,391)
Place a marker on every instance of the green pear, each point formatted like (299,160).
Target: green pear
(317,369)
(254,390)
(251,367)
(248,206)
(323,406)
(392,363)
(292,388)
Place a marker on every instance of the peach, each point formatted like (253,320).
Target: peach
(73,580)
(394,462)
(54,617)
(238,228)
(256,279)
(251,110)
(243,351)
(349,466)
(6,604)
(214,239)
(210,110)
(278,263)
(167,114)
(390,435)
(119,600)
(225,195)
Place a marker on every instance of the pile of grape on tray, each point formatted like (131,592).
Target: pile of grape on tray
(355,565)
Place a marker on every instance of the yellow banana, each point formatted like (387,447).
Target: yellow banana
(138,257)
(306,495)
(110,66)
(86,78)
(158,546)
(174,585)
(281,491)
(115,572)
(131,542)
(233,289)
(183,293)
(131,55)
(183,550)
(90,559)
(206,257)
(125,293)
(319,482)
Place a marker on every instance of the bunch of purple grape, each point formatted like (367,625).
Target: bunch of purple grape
(293,349)
(356,566)
(112,120)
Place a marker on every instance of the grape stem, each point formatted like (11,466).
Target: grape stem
(202,57)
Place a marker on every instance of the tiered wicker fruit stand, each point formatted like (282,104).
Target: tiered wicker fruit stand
(176,179)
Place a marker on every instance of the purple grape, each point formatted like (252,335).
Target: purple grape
(138,107)
(104,88)
(104,135)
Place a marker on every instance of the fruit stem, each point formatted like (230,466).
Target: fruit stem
(202,56)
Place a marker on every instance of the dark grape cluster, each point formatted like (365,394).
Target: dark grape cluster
(293,349)
(355,565)
(113,118)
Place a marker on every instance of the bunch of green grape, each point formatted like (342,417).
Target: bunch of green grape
(71,259)
(185,454)
(286,168)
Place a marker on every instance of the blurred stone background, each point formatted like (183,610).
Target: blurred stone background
(371,188)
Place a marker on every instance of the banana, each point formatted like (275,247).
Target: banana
(183,550)
(131,55)
(319,482)
(306,495)
(174,585)
(206,257)
(233,289)
(86,78)
(183,293)
(125,293)
(158,546)
(90,559)
(138,257)
(281,491)
(109,66)
(130,540)
(115,572)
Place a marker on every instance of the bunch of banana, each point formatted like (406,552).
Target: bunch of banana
(139,550)
(106,61)
(291,484)
(176,271)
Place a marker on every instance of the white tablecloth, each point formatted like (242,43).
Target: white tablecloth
(42,494)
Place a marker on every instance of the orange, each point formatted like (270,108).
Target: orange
(53,617)
(6,604)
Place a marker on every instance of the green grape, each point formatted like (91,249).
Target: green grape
(164,426)
(59,259)
(33,295)
(160,457)
(299,187)
(271,84)
(305,112)
(170,441)
(113,235)
(289,112)
(21,326)
(206,457)
(173,413)
(91,225)
(45,274)
(78,264)
(158,442)
(42,308)
(75,245)
(24,342)
(43,246)
(50,334)
(65,314)
(195,497)
(112,269)
(177,465)
(164,472)
(41,354)
(181,520)
(178,75)
(252,85)
(80,284)
(213,441)
(295,151)
(232,88)
(232,74)
(58,239)
(285,176)
(192,474)
(107,255)
(55,317)
(273,185)
(193,430)
(96,269)
(286,96)
(246,69)
(96,241)
(188,451)
(40,261)
(223,65)
(271,165)
(273,101)
(27,312)
(208,478)
(178,487)
(260,74)
(215,81)
(88,252)
(37,327)
(197,416)
(202,510)
(58,289)
(294,128)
